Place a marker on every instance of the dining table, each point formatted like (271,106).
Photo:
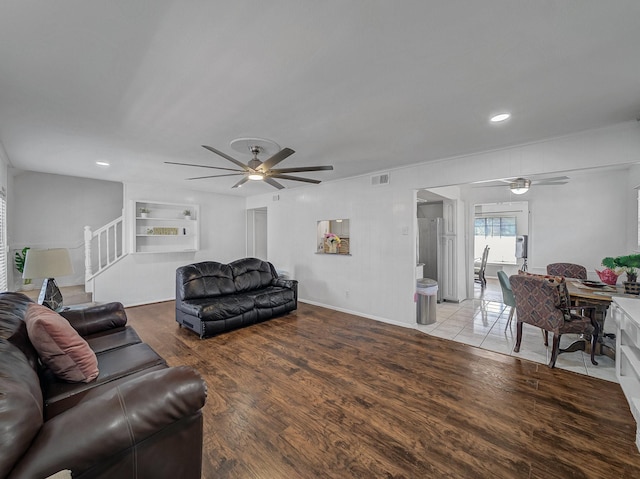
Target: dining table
(599,296)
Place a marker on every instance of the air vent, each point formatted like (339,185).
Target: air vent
(379,180)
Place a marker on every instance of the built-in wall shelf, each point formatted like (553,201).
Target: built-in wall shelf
(160,227)
(626,315)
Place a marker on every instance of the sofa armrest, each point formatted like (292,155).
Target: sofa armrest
(287,283)
(95,319)
(114,424)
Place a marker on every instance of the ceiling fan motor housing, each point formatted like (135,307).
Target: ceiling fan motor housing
(520,183)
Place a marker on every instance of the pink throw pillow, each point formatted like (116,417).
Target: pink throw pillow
(59,346)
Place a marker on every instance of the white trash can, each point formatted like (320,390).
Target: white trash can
(427,296)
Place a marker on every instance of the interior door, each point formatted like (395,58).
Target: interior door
(449,247)
(257,233)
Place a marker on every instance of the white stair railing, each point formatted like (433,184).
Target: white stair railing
(102,248)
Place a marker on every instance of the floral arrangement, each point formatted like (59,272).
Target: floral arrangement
(332,239)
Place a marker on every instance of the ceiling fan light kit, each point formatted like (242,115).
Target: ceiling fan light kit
(255,169)
(520,186)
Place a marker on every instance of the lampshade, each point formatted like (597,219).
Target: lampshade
(47,263)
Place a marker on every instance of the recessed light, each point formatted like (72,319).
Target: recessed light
(103,163)
(500,117)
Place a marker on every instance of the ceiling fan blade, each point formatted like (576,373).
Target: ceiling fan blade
(201,166)
(301,169)
(213,176)
(552,180)
(275,159)
(226,157)
(550,183)
(273,183)
(296,178)
(241,182)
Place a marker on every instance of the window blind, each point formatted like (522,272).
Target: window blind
(3,240)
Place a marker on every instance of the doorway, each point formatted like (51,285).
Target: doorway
(498,226)
(257,233)
(439,207)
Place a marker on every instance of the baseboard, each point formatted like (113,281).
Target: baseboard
(356,313)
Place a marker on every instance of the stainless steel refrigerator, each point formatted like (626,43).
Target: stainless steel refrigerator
(430,247)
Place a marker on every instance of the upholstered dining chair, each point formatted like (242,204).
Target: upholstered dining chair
(544,302)
(479,268)
(509,299)
(507,295)
(568,270)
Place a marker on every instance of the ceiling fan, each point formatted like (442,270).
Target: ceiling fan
(257,170)
(521,185)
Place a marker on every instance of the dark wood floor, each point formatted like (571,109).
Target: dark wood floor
(318,393)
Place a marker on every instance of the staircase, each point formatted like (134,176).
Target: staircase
(103,248)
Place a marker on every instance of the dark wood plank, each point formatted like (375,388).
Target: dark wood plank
(319,393)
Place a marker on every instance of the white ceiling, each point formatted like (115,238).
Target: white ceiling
(364,85)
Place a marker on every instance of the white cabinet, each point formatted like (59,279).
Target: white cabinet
(626,315)
(163,227)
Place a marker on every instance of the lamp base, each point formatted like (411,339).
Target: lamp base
(50,295)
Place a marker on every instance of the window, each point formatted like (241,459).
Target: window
(495,227)
(499,233)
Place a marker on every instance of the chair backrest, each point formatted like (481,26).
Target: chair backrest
(507,292)
(485,257)
(568,270)
(538,301)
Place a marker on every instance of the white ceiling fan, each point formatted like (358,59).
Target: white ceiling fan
(520,185)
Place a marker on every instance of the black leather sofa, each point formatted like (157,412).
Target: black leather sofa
(138,418)
(214,297)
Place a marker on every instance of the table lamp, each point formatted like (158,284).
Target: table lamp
(47,263)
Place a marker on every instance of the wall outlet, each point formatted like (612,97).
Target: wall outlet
(347,293)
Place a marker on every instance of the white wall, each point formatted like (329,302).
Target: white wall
(378,279)
(580,222)
(51,211)
(374,280)
(145,278)
(4,165)
(633,217)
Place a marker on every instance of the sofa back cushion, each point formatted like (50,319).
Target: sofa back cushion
(13,307)
(204,280)
(20,405)
(252,273)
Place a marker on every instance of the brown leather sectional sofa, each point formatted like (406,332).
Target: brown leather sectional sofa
(138,419)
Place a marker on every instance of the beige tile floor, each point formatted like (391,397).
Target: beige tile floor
(481,322)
